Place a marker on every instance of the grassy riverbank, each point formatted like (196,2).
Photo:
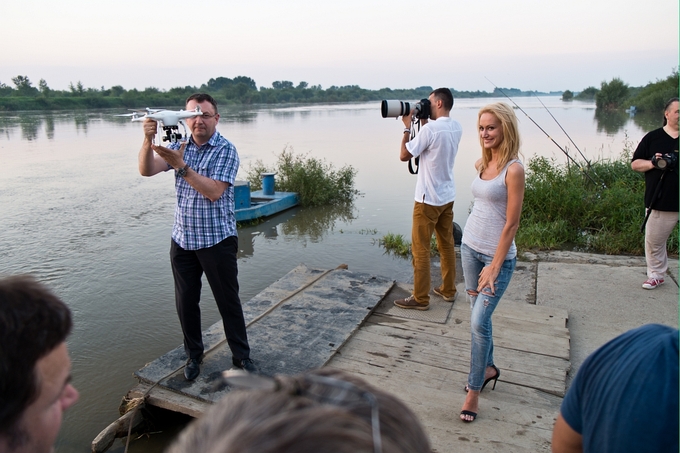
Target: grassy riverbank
(595,208)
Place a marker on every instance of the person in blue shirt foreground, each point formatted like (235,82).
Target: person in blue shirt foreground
(204,237)
(624,397)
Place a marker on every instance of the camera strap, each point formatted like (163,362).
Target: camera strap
(416,160)
(654,197)
(410,167)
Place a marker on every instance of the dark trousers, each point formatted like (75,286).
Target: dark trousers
(219,265)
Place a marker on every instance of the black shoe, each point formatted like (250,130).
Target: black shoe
(492,378)
(192,369)
(245,365)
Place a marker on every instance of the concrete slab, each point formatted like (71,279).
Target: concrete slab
(603,296)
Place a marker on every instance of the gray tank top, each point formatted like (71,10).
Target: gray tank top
(484,226)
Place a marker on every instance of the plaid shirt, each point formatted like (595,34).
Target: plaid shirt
(199,222)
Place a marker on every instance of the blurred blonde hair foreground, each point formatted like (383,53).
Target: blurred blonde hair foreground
(323,410)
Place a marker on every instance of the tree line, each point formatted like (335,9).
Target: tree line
(612,95)
(617,95)
(239,90)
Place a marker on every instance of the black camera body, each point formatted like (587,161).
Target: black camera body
(666,161)
(422,109)
(394,109)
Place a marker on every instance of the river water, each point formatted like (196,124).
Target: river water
(77,215)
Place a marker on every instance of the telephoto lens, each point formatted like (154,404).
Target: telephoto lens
(394,109)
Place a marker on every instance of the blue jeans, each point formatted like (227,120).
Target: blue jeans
(482,305)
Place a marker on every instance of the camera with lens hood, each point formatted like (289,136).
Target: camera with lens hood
(394,109)
(666,161)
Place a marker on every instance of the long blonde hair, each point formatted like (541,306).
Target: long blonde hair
(509,148)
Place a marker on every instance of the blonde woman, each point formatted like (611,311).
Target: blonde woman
(488,251)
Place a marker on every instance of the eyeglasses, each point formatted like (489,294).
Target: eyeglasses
(339,393)
(205,116)
(324,390)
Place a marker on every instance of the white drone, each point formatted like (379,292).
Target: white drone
(167,119)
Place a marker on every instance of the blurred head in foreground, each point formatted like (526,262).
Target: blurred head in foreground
(35,368)
(323,410)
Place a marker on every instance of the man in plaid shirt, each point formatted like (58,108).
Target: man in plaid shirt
(204,237)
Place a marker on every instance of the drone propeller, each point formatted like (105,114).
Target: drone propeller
(129,114)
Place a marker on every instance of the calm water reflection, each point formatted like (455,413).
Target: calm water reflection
(77,214)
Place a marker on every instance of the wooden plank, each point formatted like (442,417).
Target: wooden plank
(374,339)
(295,325)
(544,316)
(363,349)
(532,311)
(170,400)
(426,365)
(168,364)
(530,416)
(435,389)
(502,322)
(545,344)
(126,423)
(443,383)
(377,348)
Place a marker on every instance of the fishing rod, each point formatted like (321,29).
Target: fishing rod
(565,132)
(546,134)
(572,141)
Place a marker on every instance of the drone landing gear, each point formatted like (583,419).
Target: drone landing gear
(172,134)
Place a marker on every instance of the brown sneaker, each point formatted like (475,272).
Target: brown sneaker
(438,291)
(410,302)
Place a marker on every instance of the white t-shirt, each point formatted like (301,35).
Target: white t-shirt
(437,146)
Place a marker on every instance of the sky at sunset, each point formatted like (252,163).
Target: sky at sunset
(526,44)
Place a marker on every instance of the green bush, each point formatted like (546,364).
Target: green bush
(597,208)
(587,94)
(612,94)
(563,209)
(316,182)
(654,96)
(397,245)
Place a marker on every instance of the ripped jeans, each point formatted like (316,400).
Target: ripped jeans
(483,306)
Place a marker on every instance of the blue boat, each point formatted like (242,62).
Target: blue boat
(261,203)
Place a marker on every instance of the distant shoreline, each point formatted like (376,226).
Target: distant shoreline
(117,97)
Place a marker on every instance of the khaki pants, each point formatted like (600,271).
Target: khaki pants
(659,226)
(426,220)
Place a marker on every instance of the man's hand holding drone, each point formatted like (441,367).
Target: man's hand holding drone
(150,128)
(174,157)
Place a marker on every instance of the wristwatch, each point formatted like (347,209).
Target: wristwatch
(182,172)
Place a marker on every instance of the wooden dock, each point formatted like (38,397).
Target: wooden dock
(296,324)
(313,318)
(426,362)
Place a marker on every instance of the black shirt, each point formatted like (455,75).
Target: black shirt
(658,141)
